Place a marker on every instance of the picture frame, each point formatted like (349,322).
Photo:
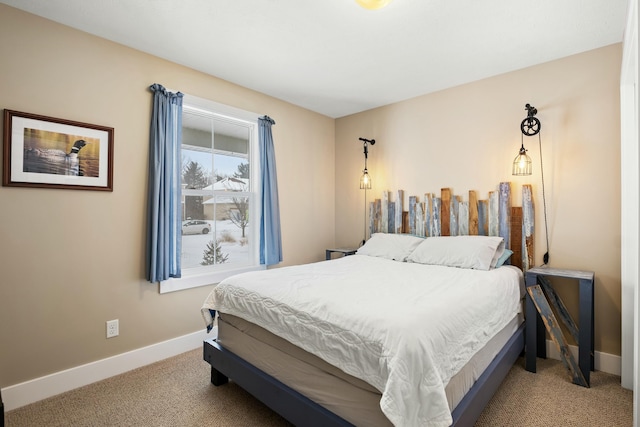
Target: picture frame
(46,152)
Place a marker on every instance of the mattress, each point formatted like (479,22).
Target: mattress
(345,395)
(405,329)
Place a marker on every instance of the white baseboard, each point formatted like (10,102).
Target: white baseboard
(604,362)
(37,389)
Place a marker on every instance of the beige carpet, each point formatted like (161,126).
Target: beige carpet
(548,398)
(177,392)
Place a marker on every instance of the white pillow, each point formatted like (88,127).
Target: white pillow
(476,252)
(390,246)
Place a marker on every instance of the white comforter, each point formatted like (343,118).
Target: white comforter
(404,328)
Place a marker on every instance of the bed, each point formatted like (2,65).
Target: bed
(408,331)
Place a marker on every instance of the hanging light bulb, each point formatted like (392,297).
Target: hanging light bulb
(373,4)
(365,180)
(522,163)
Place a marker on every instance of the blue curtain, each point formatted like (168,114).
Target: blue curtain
(165,196)
(270,236)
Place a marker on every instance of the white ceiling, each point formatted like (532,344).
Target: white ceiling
(332,56)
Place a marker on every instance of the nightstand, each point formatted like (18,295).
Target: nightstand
(539,316)
(343,251)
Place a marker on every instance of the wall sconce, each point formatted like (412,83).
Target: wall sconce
(373,4)
(531,126)
(365,181)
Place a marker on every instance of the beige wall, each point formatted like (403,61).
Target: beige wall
(467,137)
(70,260)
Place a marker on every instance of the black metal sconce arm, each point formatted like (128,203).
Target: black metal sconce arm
(366,149)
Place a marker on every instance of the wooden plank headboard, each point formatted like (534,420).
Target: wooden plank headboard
(450,215)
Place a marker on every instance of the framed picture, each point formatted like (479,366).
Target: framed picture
(45,152)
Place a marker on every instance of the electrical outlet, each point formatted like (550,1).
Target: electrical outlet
(113,328)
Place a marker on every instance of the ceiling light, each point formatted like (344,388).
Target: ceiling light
(373,4)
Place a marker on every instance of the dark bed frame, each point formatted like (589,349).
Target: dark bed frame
(300,410)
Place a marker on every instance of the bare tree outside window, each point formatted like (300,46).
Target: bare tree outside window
(240,215)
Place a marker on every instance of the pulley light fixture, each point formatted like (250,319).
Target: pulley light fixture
(531,126)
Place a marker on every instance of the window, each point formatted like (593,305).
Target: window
(220,175)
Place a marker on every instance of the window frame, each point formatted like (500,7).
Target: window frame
(209,275)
